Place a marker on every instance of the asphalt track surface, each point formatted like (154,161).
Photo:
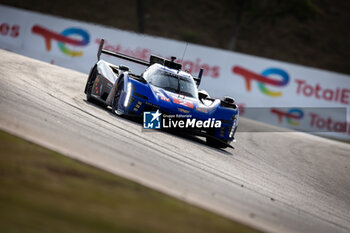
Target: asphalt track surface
(274,181)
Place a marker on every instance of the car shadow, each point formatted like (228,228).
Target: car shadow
(199,140)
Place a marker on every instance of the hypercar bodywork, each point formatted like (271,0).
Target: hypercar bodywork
(163,86)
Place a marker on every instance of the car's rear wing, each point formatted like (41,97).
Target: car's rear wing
(119,55)
(152,60)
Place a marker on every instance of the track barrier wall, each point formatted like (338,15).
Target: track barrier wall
(275,92)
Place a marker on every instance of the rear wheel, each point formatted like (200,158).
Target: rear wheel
(116,98)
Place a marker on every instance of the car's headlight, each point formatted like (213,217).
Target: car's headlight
(128,94)
(234,126)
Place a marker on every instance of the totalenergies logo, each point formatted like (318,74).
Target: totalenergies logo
(292,115)
(63,39)
(263,79)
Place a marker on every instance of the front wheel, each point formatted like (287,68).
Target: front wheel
(116,98)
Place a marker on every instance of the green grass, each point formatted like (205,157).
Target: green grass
(43,191)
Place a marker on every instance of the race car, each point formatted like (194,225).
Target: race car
(163,88)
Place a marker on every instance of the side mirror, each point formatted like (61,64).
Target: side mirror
(229,99)
(202,94)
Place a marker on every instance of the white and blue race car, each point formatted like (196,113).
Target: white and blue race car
(165,88)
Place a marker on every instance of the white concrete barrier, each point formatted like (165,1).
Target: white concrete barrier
(252,81)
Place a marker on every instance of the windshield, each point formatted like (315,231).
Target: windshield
(174,83)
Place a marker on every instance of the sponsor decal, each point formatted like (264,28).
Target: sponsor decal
(263,79)
(340,95)
(329,124)
(183,110)
(165,98)
(8,30)
(151,104)
(312,121)
(201,109)
(182,102)
(193,67)
(63,39)
(292,115)
(140,53)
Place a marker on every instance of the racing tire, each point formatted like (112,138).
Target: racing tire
(116,98)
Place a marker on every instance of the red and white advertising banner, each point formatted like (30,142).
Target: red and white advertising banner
(252,81)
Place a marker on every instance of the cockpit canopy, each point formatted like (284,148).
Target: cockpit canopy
(178,82)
